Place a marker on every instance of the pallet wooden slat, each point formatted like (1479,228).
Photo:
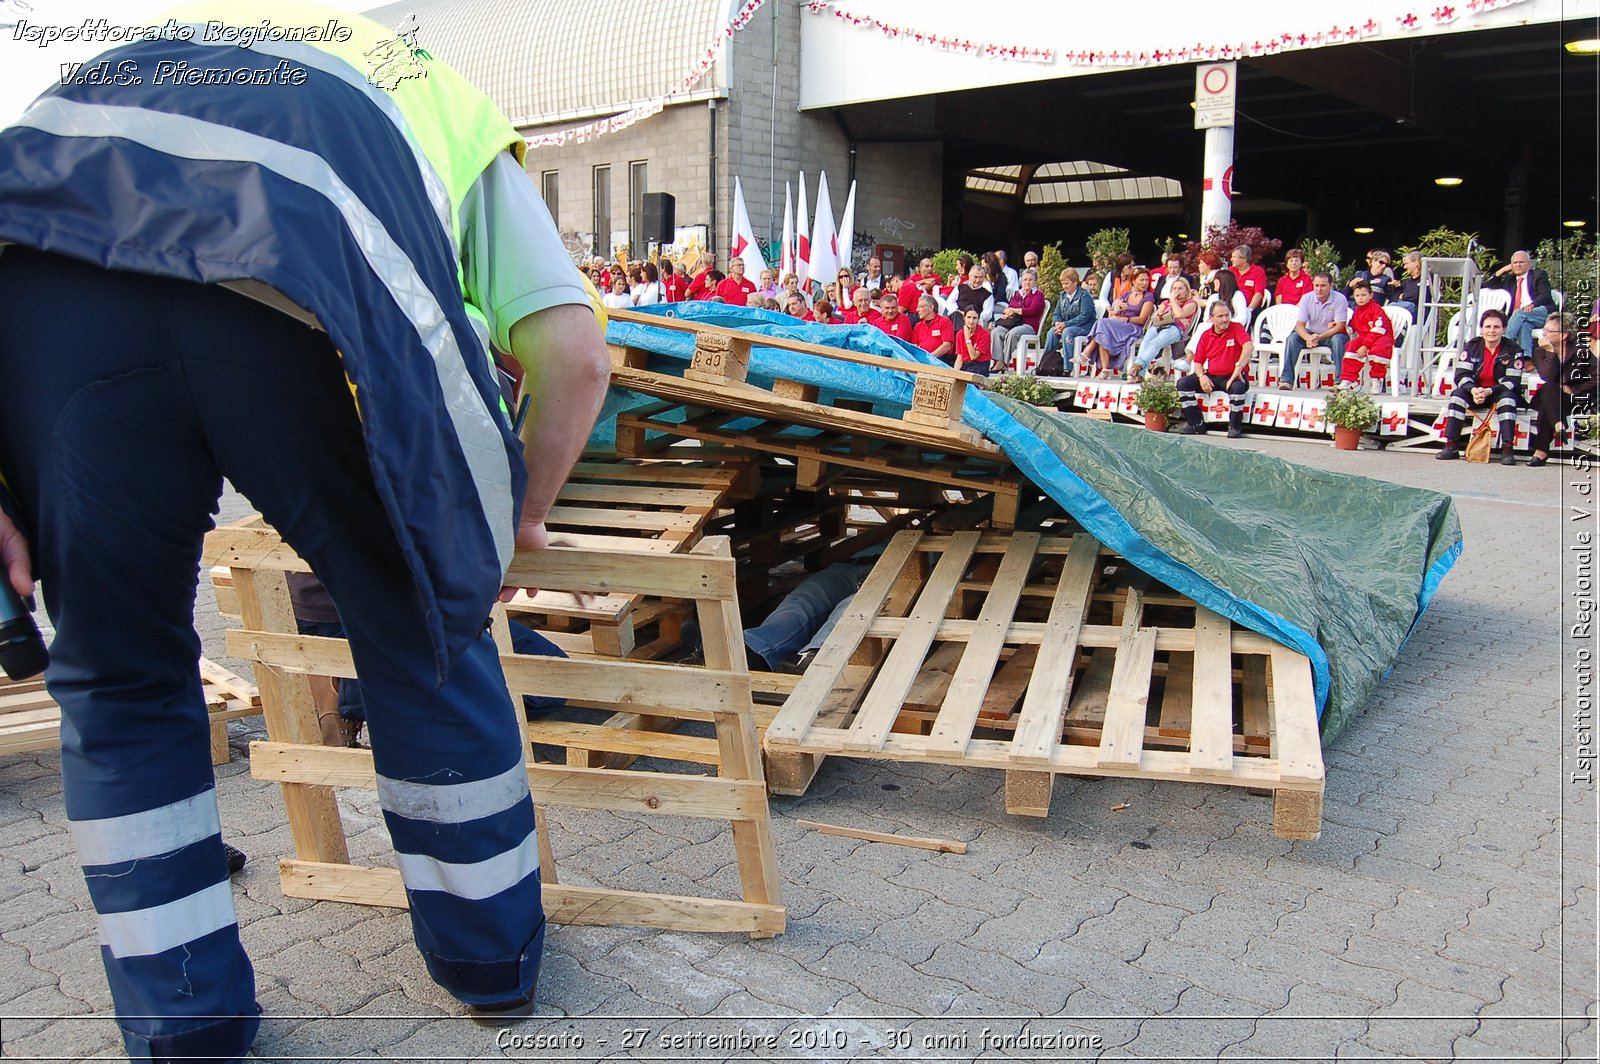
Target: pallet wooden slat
(1211,735)
(1045,704)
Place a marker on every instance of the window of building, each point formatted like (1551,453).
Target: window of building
(638,174)
(602,211)
(550,188)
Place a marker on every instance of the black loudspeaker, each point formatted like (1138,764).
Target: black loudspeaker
(660,217)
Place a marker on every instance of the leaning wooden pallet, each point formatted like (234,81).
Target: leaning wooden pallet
(939,660)
(719,694)
(31,720)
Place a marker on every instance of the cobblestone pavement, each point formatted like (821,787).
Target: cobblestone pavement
(1447,912)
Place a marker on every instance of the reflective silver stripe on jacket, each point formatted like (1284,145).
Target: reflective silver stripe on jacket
(454,803)
(145,932)
(117,839)
(476,429)
(475,881)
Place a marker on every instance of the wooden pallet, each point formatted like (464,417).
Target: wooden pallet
(936,661)
(719,694)
(31,720)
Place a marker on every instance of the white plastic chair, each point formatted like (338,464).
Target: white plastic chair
(1494,299)
(1279,322)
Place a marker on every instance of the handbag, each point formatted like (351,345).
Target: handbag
(1480,446)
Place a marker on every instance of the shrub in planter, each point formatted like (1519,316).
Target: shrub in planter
(1157,399)
(1351,412)
(1023,388)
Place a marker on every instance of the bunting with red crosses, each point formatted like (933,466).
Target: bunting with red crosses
(1199,51)
(640,111)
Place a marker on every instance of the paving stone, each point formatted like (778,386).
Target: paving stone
(1001,978)
(1314,1024)
(1141,992)
(1427,1021)
(1314,965)
(892,982)
(1249,989)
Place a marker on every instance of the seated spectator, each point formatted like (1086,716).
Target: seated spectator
(754,299)
(1093,281)
(917,285)
(1114,336)
(1020,319)
(1409,295)
(618,298)
(1371,342)
(1225,287)
(1567,373)
(861,311)
(1221,360)
(1489,374)
(999,286)
(1379,277)
(1210,265)
(933,332)
(647,289)
(703,286)
(735,289)
(1252,279)
(603,271)
(1119,279)
(973,295)
(946,293)
(846,285)
(872,278)
(712,289)
(1172,323)
(1030,260)
(791,287)
(1013,279)
(1171,269)
(768,286)
(676,284)
(891,321)
(1295,284)
(972,352)
(1531,298)
(822,313)
(771,304)
(1319,322)
(1074,316)
(795,306)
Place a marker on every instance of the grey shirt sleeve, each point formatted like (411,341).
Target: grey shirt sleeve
(513,261)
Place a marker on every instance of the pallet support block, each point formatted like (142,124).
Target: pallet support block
(719,693)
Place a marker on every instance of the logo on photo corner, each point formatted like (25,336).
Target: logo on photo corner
(398,58)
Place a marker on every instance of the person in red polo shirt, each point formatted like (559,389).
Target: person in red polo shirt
(933,332)
(918,285)
(1252,278)
(703,287)
(735,289)
(973,346)
(1221,360)
(674,281)
(861,311)
(1296,282)
(891,321)
(822,313)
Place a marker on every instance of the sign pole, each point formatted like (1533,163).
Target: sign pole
(1215,92)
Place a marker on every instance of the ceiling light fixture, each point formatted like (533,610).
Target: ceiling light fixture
(1447,182)
(1588,46)
(1575,224)
(1363,229)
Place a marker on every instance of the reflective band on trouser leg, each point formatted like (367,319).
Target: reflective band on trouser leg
(465,846)
(168,934)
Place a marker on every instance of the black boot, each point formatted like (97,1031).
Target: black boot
(1506,457)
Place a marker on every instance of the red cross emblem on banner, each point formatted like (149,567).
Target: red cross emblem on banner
(1394,420)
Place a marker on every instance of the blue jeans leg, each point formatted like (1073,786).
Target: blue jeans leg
(1156,341)
(1524,323)
(803,610)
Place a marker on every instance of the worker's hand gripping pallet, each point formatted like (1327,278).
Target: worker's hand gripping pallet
(719,694)
(1040,655)
(31,720)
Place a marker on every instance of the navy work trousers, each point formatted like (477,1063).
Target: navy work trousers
(124,402)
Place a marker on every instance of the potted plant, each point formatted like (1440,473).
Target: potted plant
(1351,412)
(1157,398)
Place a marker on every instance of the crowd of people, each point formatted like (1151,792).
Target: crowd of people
(978,316)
